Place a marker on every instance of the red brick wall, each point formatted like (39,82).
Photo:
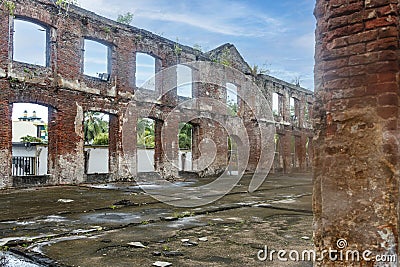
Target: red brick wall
(63,87)
(356,120)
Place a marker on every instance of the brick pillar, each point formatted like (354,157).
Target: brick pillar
(310,152)
(286,151)
(301,151)
(66,159)
(4,42)
(254,134)
(285,106)
(114,147)
(167,148)
(356,160)
(125,139)
(214,132)
(197,136)
(158,148)
(5,137)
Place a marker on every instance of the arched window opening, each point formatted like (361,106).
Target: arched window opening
(309,152)
(145,71)
(294,111)
(233,163)
(184,81)
(277,158)
(30,43)
(145,130)
(96,60)
(96,138)
(293,150)
(185,146)
(29,140)
(292,108)
(232,99)
(275,104)
(306,112)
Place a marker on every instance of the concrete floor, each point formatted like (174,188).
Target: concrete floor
(93,225)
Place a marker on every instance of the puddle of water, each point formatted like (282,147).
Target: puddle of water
(120,217)
(112,217)
(248,203)
(284,201)
(18,223)
(13,260)
(138,188)
(186,222)
(48,219)
(25,223)
(54,218)
(8,222)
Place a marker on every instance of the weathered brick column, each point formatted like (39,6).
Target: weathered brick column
(5,137)
(66,159)
(356,189)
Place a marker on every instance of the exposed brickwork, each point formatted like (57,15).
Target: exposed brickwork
(69,94)
(356,114)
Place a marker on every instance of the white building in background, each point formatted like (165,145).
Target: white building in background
(29,159)
(33,126)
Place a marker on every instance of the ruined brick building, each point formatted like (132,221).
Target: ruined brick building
(61,85)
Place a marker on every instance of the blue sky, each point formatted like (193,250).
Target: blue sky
(277,35)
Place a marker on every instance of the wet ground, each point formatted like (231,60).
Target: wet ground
(120,225)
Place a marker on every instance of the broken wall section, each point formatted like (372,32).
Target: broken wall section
(62,85)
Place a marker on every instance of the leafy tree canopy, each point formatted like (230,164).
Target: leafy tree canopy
(95,123)
(32,139)
(145,133)
(185,136)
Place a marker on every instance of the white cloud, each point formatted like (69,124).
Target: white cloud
(211,24)
(305,42)
(222,17)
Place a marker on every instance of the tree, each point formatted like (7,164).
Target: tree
(93,125)
(101,139)
(233,108)
(256,70)
(185,136)
(125,19)
(145,133)
(31,139)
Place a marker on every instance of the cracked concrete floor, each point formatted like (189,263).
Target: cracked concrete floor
(93,225)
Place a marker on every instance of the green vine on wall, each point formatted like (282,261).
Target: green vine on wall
(9,5)
(225,57)
(64,5)
(127,18)
(177,49)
